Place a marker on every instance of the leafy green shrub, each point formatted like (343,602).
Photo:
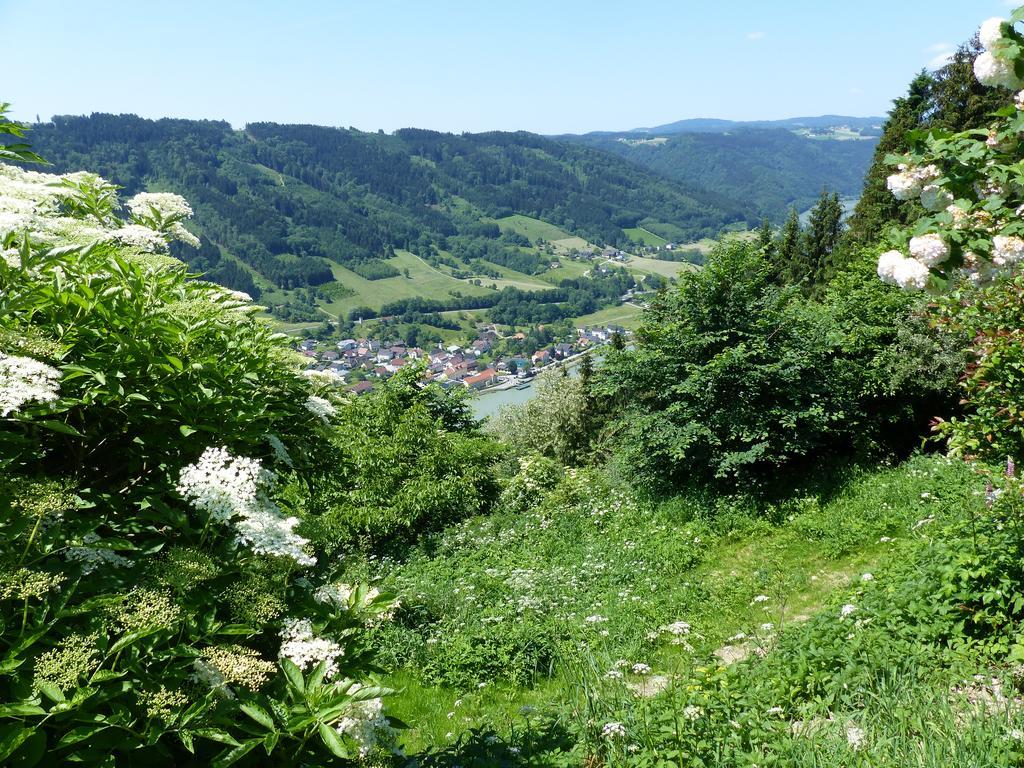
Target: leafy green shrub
(160,600)
(409,459)
(735,378)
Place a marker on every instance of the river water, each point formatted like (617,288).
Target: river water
(488,403)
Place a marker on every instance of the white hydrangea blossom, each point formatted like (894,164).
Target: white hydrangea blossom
(931,250)
(935,198)
(366,724)
(993,71)
(909,182)
(304,649)
(896,269)
(991,32)
(222,485)
(321,408)
(140,237)
(231,489)
(31,201)
(26,380)
(1007,250)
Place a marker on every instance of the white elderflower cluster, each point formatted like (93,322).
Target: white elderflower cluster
(909,182)
(896,269)
(26,380)
(366,724)
(138,236)
(931,250)
(321,408)
(232,489)
(222,485)
(304,649)
(163,205)
(990,68)
(93,558)
(43,205)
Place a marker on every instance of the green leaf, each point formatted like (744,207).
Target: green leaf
(12,736)
(81,733)
(213,734)
(332,740)
(51,691)
(186,430)
(270,741)
(237,629)
(259,715)
(58,426)
(21,710)
(231,756)
(186,740)
(131,637)
(294,675)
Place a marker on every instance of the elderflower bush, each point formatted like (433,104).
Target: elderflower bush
(158,451)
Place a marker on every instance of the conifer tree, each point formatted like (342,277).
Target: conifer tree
(821,238)
(789,263)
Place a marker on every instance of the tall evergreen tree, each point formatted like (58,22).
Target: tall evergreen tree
(790,266)
(822,237)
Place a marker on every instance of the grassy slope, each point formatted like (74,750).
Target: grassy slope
(655,567)
(645,237)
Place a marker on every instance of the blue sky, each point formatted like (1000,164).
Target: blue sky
(549,66)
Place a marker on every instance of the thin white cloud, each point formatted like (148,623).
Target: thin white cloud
(755,35)
(941,54)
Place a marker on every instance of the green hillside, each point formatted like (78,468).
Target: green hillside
(769,169)
(283,206)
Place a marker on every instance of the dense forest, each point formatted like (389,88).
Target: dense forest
(769,169)
(282,202)
(287,200)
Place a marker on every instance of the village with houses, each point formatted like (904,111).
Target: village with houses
(358,364)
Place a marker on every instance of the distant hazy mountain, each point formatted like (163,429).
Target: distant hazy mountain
(872,125)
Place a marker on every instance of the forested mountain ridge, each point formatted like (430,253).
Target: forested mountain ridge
(288,200)
(770,169)
(277,205)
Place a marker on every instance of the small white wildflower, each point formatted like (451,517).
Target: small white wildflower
(867,577)
(640,669)
(847,610)
(613,731)
(760,599)
(692,711)
(855,737)
(301,646)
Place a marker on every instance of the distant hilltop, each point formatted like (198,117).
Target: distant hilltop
(715,125)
